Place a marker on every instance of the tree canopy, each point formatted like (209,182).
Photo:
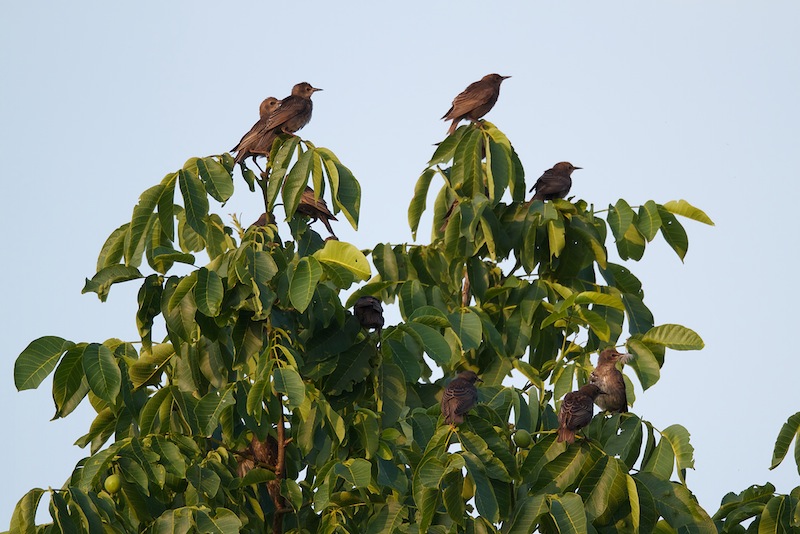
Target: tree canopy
(254,400)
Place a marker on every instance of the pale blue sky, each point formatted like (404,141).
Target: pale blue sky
(694,100)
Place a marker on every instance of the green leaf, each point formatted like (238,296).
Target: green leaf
(175,521)
(23,519)
(485,497)
(141,220)
(102,372)
(103,280)
(218,182)
(620,217)
(673,233)
(288,382)
(204,480)
(526,518)
(210,408)
(208,292)
(649,221)
(418,202)
(568,513)
(644,363)
(466,172)
(113,249)
(777,516)
(674,336)
(556,237)
(677,506)
(789,431)
(296,182)
(304,282)
(662,461)
(347,194)
(467,326)
(195,201)
(434,343)
(601,299)
(355,471)
(353,366)
(38,360)
(69,382)
(341,254)
(681,207)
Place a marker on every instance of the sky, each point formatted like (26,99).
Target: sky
(655,100)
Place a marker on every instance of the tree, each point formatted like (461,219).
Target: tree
(266,406)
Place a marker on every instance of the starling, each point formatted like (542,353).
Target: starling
(459,397)
(475,101)
(576,411)
(555,182)
(369,312)
(263,220)
(316,209)
(608,378)
(251,144)
(294,111)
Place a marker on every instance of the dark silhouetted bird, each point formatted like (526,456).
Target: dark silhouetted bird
(459,397)
(263,220)
(294,111)
(316,209)
(555,182)
(609,379)
(475,101)
(576,411)
(369,312)
(251,144)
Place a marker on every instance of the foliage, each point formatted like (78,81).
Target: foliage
(265,406)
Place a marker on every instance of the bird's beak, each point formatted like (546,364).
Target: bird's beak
(505,77)
(576,168)
(478,380)
(316,89)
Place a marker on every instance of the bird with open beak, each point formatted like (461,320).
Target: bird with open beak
(609,380)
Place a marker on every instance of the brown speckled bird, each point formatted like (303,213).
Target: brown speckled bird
(459,397)
(576,411)
(251,144)
(609,379)
(475,101)
(555,182)
(316,209)
(369,312)
(294,111)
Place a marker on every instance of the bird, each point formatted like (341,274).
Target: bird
(294,111)
(608,378)
(369,312)
(252,143)
(576,411)
(555,182)
(459,397)
(475,101)
(316,209)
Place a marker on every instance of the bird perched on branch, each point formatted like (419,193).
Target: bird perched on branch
(459,397)
(252,143)
(475,101)
(555,182)
(369,312)
(294,111)
(576,411)
(609,379)
(316,209)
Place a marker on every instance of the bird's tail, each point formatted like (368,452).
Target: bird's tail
(538,196)
(453,127)
(565,434)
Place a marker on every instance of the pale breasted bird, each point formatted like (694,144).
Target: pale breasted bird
(555,182)
(609,379)
(576,411)
(459,397)
(315,209)
(294,111)
(251,144)
(369,312)
(475,101)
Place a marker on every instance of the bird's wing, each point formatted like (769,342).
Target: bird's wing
(473,96)
(464,395)
(289,107)
(252,135)
(550,184)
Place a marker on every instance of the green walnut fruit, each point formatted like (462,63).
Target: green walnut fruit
(113,483)
(522,438)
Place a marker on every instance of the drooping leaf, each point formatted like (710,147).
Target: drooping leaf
(38,360)
(674,336)
(681,207)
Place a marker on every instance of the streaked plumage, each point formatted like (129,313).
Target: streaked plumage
(609,379)
(555,182)
(459,397)
(475,101)
(315,209)
(576,411)
(369,312)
